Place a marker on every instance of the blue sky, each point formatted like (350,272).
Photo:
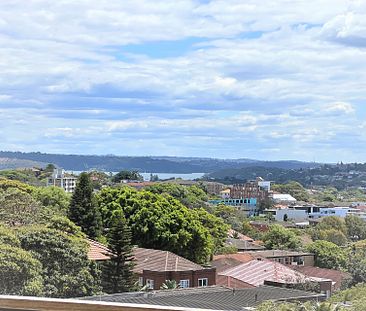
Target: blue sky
(270,79)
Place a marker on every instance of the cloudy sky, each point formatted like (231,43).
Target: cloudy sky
(269,79)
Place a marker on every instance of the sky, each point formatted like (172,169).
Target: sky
(269,79)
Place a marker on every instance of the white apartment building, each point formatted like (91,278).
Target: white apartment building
(61,179)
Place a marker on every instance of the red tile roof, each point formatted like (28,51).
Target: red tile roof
(146,259)
(98,251)
(336,276)
(156,260)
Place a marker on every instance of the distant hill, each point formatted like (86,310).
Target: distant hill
(148,163)
(340,176)
(13,163)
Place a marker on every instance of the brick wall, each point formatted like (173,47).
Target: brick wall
(160,277)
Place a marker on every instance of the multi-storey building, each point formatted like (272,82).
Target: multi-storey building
(61,179)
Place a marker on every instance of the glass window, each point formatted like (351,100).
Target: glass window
(141,281)
(150,284)
(184,283)
(202,282)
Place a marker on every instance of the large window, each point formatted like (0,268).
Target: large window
(184,283)
(202,282)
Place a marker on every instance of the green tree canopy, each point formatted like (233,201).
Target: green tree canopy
(332,222)
(191,196)
(54,198)
(327,255)
(83,209)
(356,227)
(117,272)
(278,237)
(67,271)
(127,175)
(19,208)
(20,273)
(160,222)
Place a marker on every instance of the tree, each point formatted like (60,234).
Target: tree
(160,222)
(54,198)
(19,208)
(331,235)
(20,273)
(118,271)
(356,227)
(66,269)
(327,255)
(8,237)
(230,215)
(357,262)
(278,237)
(127,175)
(83,209)
(332,222)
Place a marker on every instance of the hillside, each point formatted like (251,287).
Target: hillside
(147,163)
(340,176)
(12,163)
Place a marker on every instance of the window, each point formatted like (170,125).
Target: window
(141,281)
(202,282)
(184,283)
(150,284)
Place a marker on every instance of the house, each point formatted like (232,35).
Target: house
(154,267)
(237,235)
(225,261)
(63,180)
(287,214)
(243,245)
(259,272)
(292,258)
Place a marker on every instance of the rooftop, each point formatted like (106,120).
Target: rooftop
(146,259)
(214,298)
(277,253)
(255,272)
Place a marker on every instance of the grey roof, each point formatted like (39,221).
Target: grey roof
(214,297)
(244,245)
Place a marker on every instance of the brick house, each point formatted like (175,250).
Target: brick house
(155,267)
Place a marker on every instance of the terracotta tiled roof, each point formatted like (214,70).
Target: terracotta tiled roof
(98,251)
(156,260)
(146,259)
(256,272)
(336,276)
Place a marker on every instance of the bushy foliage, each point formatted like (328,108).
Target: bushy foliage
(161,222)
(18,207)
(356,228)
(66,269)
(278,237)
(20,273)
(328,255)
(54,198)
(190,196)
